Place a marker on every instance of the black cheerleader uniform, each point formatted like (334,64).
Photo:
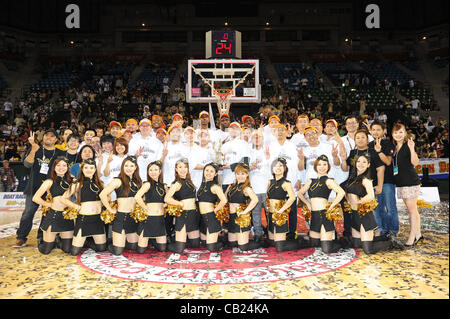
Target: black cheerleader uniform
(275,191)
(188,218)
(55,218)
(367,220)
(236,196)
(209,220)
(124,221)
(89,225)
(319,189)
(153,226)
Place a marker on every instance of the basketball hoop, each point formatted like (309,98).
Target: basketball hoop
(223,99)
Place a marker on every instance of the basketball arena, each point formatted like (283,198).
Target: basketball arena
(207,69)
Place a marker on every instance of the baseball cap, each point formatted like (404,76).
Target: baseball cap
(274,117)
(177,115)
(203,113)
(115,123)
(145,121)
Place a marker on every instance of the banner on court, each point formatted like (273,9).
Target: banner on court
(9,200)
(437,167)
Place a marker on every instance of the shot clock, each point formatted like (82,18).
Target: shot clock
(223,44)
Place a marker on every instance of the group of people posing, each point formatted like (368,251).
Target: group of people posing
(209,187)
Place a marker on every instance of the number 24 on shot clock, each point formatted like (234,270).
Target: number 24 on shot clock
(223,44)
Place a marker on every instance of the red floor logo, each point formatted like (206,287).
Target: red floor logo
(229,266)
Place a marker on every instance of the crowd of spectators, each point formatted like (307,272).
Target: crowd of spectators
(93,100)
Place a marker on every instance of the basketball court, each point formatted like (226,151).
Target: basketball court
(418,273)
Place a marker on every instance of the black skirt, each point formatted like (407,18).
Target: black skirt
(55,219)
(368,221)
(153,226)
(89,225)
(272,227)
(124,221)
(209,222)
(235,228)
(319,218)
(188,218)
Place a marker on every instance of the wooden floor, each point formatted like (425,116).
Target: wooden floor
(419,273)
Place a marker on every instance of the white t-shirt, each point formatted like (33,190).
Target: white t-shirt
(152,152)
(114,170)
(175,152)
(200,156)
(260,176)
(233,151)
(289,152)
(311,154)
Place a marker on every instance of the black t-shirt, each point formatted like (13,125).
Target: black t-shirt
(37,175)
(375,162)
(388,149)
(407,175)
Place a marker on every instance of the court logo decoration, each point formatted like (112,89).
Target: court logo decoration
(229,266)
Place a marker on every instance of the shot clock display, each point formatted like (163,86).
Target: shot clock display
(223,44)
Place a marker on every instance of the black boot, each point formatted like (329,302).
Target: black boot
(329,246)
(161,247)
(193,243)
(249,246)
(371,247)
(46,247)
(286,245)
(261,242)
(131,246)
(176,247)
(232,244)
(75,251)
(314,242)
(100,247)
(214,246)
(141,250)
(303,243)
(115,250)
(66,244)
(356,243)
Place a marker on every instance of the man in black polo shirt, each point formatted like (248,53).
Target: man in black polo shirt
(386,213)
(38,159)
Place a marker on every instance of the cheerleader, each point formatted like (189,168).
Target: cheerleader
(126,185)
(154,191)
(238,194)
(209,193)
(359,190)
(88,223)
(322,230)
(182,193)
(53,222)
(281,196)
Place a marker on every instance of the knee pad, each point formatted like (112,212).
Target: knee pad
(100,247)
(46,247)
(115,250)
(75,251)
(66,244)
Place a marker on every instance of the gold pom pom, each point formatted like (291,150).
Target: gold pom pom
(44,209)
(280,218)
(138,214)
(70,213)
(347,207)
(224,213)
(243,220)
(368,207)
(106,216)
(174,210)
(423,204)
(306,213)
(334,214)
